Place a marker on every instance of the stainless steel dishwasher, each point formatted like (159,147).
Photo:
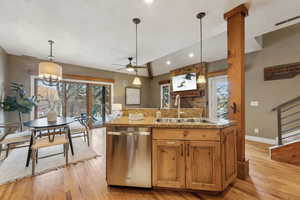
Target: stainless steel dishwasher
(128,161)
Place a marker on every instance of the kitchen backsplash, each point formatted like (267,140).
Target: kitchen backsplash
(172,112)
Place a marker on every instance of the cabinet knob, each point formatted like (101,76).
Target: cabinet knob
(185,133)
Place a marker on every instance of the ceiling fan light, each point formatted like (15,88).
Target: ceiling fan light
(129,69)
(201,79)
(137,81)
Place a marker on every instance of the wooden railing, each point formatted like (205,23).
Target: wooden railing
(288,115)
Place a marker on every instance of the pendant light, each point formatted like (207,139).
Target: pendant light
(136,80)
(50,72)
(201,78)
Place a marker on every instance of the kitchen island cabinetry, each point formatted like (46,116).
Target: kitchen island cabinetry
(194,159)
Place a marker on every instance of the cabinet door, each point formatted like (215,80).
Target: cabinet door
(203,164)
(168,163)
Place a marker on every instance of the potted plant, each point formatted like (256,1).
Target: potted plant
(18,101)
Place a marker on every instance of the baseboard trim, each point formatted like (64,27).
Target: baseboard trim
(260,139)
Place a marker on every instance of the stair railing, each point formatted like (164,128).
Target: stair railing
(293,106)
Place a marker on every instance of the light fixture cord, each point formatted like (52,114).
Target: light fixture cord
(136,45)
(51,52)
(201,48)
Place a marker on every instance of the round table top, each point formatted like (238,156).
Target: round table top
(43,122)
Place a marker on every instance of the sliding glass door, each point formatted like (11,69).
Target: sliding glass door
(100,103)
(71,98)
(75,99)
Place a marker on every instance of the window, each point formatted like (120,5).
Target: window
(218,97)
(165,95)
(73,98)
(100,103)
(48,95)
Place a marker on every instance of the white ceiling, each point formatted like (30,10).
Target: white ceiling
(99,33)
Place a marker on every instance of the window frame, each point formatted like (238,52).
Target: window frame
(33,89)
(161,95)
(212,95)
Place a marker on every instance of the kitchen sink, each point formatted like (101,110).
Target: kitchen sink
(184,120)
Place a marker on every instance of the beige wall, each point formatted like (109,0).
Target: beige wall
(3,75)
(21,67)
(280,47)
(155,89)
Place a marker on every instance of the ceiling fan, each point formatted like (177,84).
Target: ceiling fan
(130,67)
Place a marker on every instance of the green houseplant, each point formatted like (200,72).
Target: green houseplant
(18,101)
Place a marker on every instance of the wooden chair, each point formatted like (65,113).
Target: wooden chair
(80,128)
(47,137)
(12,138)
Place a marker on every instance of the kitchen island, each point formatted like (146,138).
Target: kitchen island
(182,155)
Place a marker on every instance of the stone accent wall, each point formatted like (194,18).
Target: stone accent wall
(172,112)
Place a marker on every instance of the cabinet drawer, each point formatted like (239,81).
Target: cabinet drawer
(186,134)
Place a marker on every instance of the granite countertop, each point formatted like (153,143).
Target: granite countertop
(150,122)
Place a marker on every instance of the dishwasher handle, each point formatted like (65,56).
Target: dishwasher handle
(129,133)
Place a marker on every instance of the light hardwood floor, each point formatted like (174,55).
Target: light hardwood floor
(268,180)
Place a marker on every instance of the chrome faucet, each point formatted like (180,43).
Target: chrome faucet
(177,103)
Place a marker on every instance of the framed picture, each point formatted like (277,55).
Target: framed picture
(132,96)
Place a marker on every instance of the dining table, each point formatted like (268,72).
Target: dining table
(42,123)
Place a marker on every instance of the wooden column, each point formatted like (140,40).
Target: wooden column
(236,77)
(89,102)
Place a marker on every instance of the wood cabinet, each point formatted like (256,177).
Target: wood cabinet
(203,165)
(196,159)
(168,163)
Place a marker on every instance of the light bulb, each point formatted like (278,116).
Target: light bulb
(130,69)
(137,81)
(148,1)
(201,79)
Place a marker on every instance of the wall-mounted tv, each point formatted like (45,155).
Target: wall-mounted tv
(184,82)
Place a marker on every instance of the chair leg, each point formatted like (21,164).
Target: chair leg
(0,149)
(37,156)
(7,150)
(33,157)
(67,153)
(84,135)
(88,137)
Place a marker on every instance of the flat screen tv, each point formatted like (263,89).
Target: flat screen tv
(184,82)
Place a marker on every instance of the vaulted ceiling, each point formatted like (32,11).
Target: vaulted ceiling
(100,33)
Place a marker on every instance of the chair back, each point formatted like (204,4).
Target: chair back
(8,128)
(84,120)
(50,132)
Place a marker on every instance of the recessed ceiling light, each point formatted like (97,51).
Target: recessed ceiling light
(168,62)
(191,55)
(148,1)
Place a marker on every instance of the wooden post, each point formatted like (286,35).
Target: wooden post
(89,102)
(236,78)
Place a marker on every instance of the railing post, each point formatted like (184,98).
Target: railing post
(279,126)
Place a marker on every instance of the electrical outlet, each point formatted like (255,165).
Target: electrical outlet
(256,131)
(254,103)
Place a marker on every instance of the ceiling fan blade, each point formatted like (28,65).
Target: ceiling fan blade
(139,67)
(119,65)
(121,68)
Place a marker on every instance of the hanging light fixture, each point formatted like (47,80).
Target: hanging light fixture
(50,72)
(136,80)
(201,78)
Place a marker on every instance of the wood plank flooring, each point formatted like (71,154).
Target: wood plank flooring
(269,180)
